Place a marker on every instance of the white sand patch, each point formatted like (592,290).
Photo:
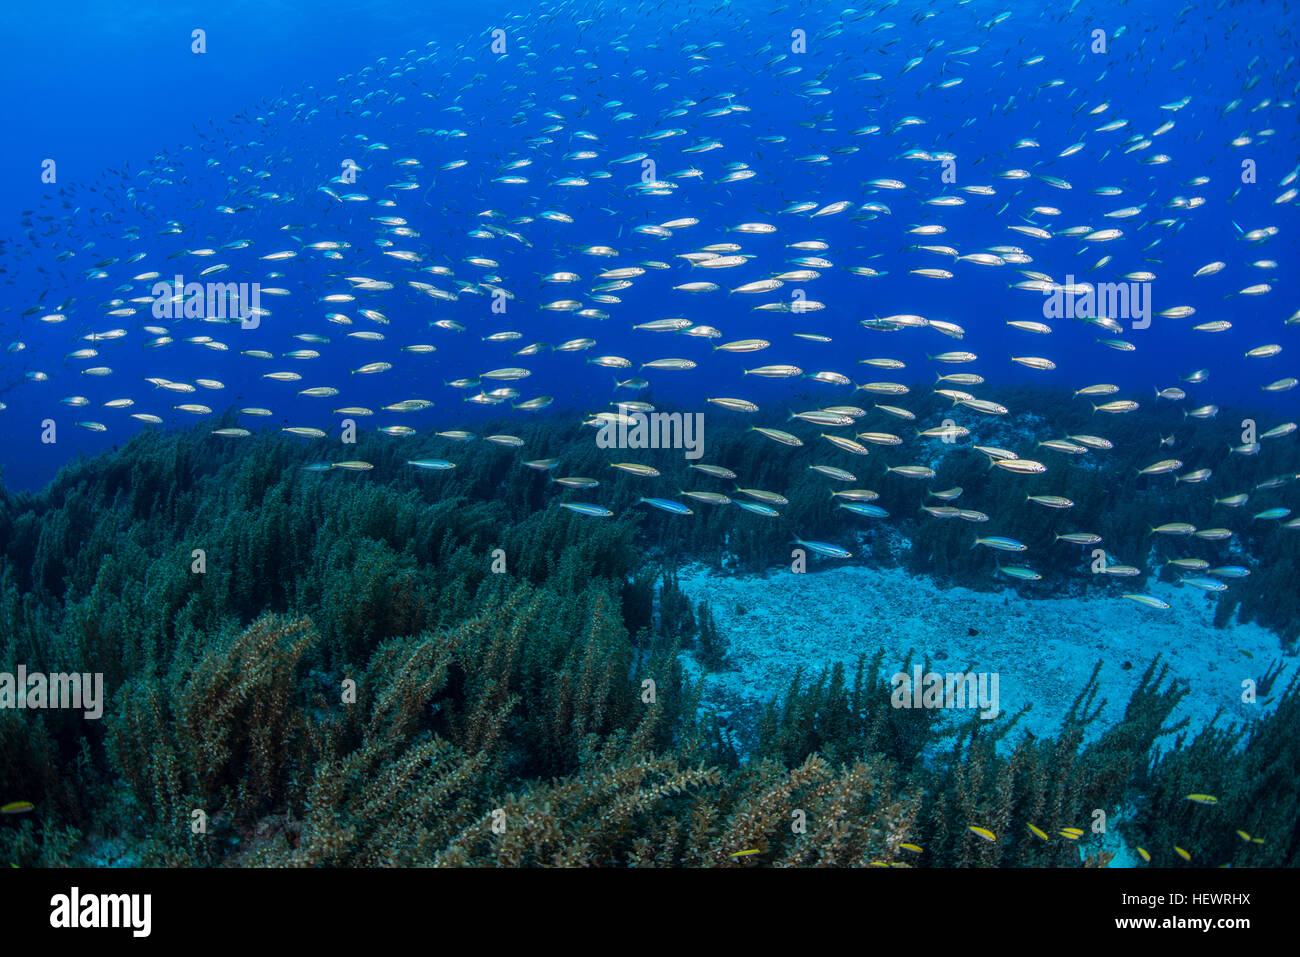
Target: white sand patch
(1041,649)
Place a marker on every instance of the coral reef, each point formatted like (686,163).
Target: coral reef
(327,668)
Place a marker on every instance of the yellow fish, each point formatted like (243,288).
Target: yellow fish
(1203,798)
(1145,856)
(1181,853)
(17,807)
(983,832)
(753,850)
(1037,832)
(914,848)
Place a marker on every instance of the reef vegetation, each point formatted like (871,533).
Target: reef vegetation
(405,667)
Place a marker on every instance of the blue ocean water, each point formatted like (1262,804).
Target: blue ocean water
(126,93)
(924,174)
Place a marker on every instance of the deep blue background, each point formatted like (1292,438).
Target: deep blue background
(97,86)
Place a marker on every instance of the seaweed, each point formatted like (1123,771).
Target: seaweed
(310,668)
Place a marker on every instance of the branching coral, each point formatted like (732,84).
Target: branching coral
(355,675)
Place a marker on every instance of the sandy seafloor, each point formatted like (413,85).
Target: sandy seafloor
(1043,649)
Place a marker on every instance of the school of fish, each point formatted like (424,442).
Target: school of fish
(459,201)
